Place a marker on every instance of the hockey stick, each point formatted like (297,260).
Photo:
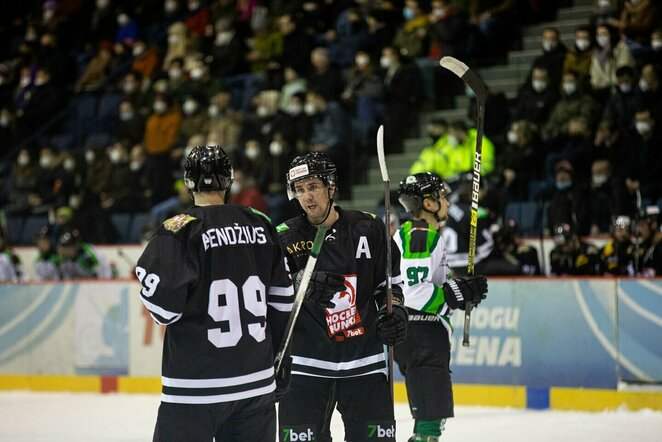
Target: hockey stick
(478,87)
(387,221)
(301,294)
(636,232)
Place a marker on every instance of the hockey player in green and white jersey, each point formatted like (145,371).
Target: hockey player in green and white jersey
(431,296)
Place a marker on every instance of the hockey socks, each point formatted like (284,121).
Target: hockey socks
(428,430)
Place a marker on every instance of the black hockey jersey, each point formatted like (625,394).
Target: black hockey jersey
(342,341)
(456,235)
(218,278)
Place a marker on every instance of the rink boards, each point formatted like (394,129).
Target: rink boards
(537,343)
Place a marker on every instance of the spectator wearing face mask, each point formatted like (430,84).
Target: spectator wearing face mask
(579,57)
(244,191)
(127,28)
(610,53)
(7,127)
(412,35)
(446,29)
(102,22)
(608,197)
(553,56)
(97,169)
(179,43)
(146,59)
(42,200)
(131,86)
(199,16)
(43,102)
(606,12)
(224,123)
(570,200)
(522,160)
(117,196)
(23,182)
(573,102)
(194,119)
(68,178)
(131,125)
(624,101)
(325,77)
(536,97)
(642,160)
(293,125)
(649,89)
(96,70)
(637,21)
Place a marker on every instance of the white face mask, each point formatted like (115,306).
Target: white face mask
(74,201)
(4,121)
(223,38)
(310,109)
(643,85)
(160,107)
(604,4)
(643,127)
(175,73)
(197,73)
(538,85)
(599,180)
(135,165)
(213,111)
(294,109)
(569,88)
(656,45)
(122,19)
(129,87)
(252,152)
(626,88)
(512,137)
(170,6)
(582,44)
(23,160)
(262,111)
(452,140)
(276,148)
(603,41)
(102,3)
(69,164)
(548,45)
(115,156)
(190,107)
(173,39)
(90,156)
(385,62)
(361,60)
(45,162)
(137,50)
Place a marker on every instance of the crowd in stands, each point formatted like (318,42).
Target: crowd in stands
(99,102)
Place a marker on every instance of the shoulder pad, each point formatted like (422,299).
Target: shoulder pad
(282,227)
(257,212)
(176,223)
(369,213)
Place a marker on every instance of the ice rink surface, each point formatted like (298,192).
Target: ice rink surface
(58,417)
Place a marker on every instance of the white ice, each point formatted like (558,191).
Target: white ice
(58,417)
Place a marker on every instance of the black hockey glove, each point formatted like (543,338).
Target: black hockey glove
(458,290)
(392,329)
(322,287)
(283,378)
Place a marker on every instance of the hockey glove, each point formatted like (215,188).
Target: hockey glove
(322,287)
(392,329)
(283,378)
(465,288)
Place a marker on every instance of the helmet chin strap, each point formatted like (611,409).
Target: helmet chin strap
(435,213)
(328,209)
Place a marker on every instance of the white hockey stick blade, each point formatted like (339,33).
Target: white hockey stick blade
(380,153)
(454,65)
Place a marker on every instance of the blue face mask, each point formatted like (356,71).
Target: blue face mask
(407,14)
(563,185)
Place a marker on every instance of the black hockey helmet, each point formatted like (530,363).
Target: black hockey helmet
(650,214)
(622,222)
(562,232)
(208,168)
(413,189)
(312,164)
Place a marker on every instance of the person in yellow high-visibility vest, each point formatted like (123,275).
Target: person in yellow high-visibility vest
(453,153)
(434,158)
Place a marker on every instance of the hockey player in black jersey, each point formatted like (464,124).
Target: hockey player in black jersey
(216,276)
(431,296)
(338,358)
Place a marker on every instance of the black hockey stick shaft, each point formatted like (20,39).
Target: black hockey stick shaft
(387,221)
(301,294)
(478,87)
(637,240)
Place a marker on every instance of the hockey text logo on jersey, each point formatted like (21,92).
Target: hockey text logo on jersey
(299,247)
(344,315)
(381,430)
(231,235)
(298,433)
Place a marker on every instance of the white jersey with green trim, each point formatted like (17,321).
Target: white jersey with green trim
(424,267)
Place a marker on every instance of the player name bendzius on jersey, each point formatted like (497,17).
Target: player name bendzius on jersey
(232,235)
